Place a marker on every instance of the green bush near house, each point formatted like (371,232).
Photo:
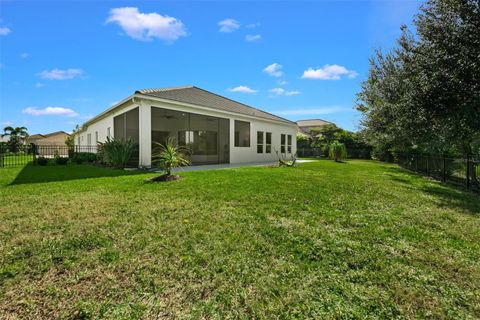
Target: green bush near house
(84,157)
(42,161)
(116,152)
(61,161)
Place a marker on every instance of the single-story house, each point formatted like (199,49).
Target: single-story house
(215,129)
(305,126)
(49,144)
(56,138)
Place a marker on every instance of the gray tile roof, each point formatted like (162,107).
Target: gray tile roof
(312,123)
(204,98)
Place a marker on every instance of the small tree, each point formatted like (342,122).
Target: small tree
(337,151)
(169,156)
(16,136)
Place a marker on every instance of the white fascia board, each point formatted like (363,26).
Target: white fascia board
(106,112)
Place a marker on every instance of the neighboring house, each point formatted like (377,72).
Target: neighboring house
(50,144)
(216,129)
(34,138)
(50,139)
(305,126)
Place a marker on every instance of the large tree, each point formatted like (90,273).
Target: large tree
(425,93)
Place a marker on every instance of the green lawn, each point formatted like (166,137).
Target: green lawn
(325,240)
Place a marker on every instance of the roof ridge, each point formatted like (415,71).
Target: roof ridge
(150,90)
(246,105)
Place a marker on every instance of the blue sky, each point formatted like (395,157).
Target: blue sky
(63,62)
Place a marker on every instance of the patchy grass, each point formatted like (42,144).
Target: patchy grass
(359,239)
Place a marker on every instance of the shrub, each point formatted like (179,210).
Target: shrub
(169,156)
(337,151)
(116,153)
(61,161)
(84,157)
(42,161)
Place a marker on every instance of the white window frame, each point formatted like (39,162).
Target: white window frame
(268,146)
(261,143)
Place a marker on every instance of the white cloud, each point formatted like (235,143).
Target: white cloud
(243,89)
(282,82)
(86,117)
(252,25)
(283,92)
(57,74)
(39,85)
(146,26)
(4,31)
(7,123)
(253,37)
(50,111)
(275,70)
(312,111)
(228,25)
(24,55)
(328,72)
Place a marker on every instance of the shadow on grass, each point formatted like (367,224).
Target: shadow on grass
(447,195)
(41,174)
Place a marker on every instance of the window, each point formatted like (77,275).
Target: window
(78,140)
(289,143)
(109,135)
(268,142)
(96,136)
(89,139)
(242,134)
(282,143)
(259,141)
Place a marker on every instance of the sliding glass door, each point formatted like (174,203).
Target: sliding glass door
(206,137)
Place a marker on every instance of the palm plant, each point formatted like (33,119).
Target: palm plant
(170,155)
(337,151)
(17,137)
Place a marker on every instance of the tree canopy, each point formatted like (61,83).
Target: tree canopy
(424,94)
(16,136)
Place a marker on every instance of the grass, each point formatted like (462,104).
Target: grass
(350,240)
(15,159)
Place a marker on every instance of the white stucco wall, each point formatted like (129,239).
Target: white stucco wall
(237,154)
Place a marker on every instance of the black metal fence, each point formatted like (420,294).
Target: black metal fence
(29,154)
(463,171)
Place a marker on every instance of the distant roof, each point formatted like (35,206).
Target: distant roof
(55,133)
(201,97)
(36,136)
(312,123)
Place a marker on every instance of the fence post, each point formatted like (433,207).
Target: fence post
(444,173)
(1,156)
(428,168)
(34,152)
(468,171)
